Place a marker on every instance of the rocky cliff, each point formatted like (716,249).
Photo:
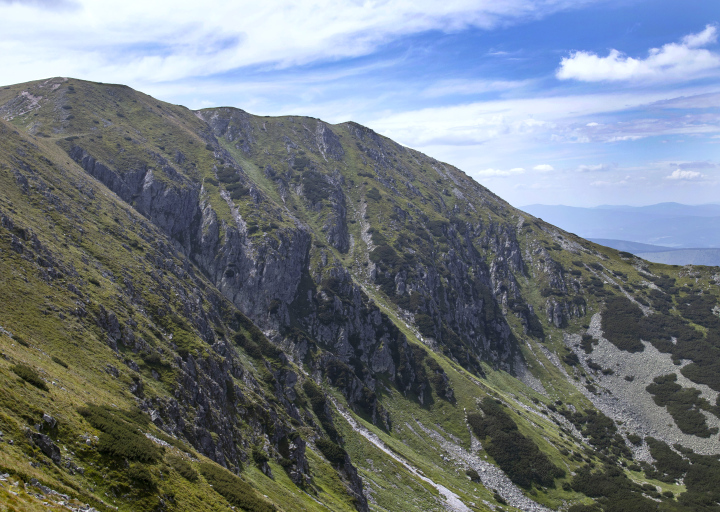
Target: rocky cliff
(315,307)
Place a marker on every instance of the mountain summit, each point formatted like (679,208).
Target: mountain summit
(206,310)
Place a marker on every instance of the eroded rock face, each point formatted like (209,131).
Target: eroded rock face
(554,313)
(125,185)
(257,274)
(249,273)
(301,295)
(46,446)
(233,125)
(171,203)
(335,227)
(328,143)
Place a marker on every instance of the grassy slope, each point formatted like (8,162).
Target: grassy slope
(25,304)
(39,314)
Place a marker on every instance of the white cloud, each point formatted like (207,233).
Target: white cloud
(593,168)
(704,38)
(133,41)
(672,62)
(531,121)
(622,138)
(498,173)
(679,174)
(544,168)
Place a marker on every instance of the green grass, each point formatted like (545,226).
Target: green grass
(103,249)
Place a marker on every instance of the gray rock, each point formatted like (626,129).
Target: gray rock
(47,446)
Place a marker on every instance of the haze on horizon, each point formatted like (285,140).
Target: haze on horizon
(578,103)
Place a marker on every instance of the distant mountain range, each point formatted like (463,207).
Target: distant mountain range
(671,225)
(667,255)
(671,233)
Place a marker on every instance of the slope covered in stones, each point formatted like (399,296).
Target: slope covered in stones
(331,316)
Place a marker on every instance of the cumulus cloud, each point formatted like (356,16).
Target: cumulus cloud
(704,38)
(544,168)
(672,62)
(679,174)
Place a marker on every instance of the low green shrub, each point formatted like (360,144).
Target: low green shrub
(141,477)
(587,343)
(374,194)
(21,340)
(60,361)
(120,436)
(517,455)
(315,188)
(683,404)
(332,452)
(613,488)
(669,466)
(234,489)
(29,375)
(183,467)
(499,499)
(621,324)
(634,439)
(318,402)
(571,359)
(259,456)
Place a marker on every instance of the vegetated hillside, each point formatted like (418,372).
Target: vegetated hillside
(205,310)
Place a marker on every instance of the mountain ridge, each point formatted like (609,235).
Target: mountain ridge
(305,304)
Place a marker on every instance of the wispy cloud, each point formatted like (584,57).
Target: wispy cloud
(168,41)
(559,119)
(698,101)
(499,173)
(54,5)
(472,87)
(594,168)
(671,63)
(603,183)
(704,164)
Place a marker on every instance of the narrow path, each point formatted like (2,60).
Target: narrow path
(452,501)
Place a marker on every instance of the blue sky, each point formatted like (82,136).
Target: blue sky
(577,102)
